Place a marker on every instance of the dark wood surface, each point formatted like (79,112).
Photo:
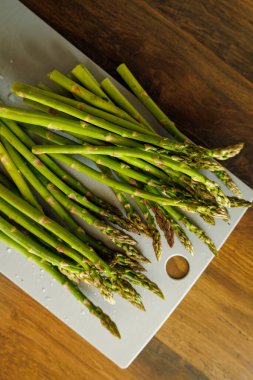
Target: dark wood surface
(195,58)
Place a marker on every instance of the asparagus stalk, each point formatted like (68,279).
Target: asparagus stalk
(178,230)
(112,132)
(150,222)
(90,275)
(63,280)
(6,182)
(158,160)
(86,95)
(198,163)
(193,228)
(136,192)
(223,175)
(167,123)
(29,92)
(145,166)
(33,247)
(131,213)
(16,176)
(37,164)
(56,168)
(153,231)
(32,178)
(79,105)
(42,234)
(54,227)
(142,95)
(123,103)
(140,279)
(53,137)
(201,209)
(115,235)
(84,236)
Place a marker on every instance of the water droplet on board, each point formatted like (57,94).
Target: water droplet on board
(43,290)
(8,250)
(1,77)
(47,298)
(22,280)
(83,312)
(11,97)
(16,276)
(11,61)
(41,270)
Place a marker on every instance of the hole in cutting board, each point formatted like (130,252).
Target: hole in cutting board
(177,267)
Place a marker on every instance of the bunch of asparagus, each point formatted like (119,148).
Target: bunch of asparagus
(153,177)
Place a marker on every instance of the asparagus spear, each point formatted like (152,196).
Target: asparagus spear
(63,280)
(137,192)
(193,228)
(126,291)
(69,222)
(131,213)
(29,92)
(113,233)
(6,182)
(141,94)
(111,134)
(33,247)
(54,227)
(32,178)
(16,176)
(90,274)
(203,210)
(158,160)
(140,279)
(167,123)
(56,168)
(132,252)
(153,231)
(123,103)
(86,95)
(79,105)
(37,164)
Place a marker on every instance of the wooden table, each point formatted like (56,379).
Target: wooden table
(195,58)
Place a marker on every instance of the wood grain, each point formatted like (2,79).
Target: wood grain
(195,58)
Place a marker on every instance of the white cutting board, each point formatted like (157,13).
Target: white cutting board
(29,49)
